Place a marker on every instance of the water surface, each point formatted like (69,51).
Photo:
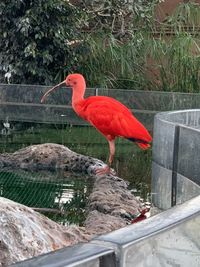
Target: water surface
(59,195)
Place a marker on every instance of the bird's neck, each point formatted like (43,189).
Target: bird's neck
(78,92)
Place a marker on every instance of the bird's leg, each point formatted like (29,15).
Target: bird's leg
(112,151)
(106,169)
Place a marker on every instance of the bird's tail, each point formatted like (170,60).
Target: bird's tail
(143,145)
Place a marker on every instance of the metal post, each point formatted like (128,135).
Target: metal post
(175,165)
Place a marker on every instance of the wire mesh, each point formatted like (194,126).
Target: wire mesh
(22,103)
(60,196)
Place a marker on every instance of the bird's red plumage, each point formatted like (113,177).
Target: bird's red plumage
(112,119)
(107,115)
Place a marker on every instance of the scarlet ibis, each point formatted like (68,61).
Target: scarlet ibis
(110,117)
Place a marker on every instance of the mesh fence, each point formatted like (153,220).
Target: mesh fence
(22,103)
(62,197)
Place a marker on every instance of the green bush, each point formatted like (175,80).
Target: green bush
(115,40)
(35,40)
(176,56)
(163,56)
(114,43)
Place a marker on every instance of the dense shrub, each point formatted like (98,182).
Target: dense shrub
(35,40)
(36,37)
(156,56)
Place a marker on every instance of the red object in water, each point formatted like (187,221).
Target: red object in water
(110,117)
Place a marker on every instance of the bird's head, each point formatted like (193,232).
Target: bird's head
(74,81)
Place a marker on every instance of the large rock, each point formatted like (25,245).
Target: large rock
(25,233)
(48,156)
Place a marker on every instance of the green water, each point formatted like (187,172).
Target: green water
(60,196)
(65,195)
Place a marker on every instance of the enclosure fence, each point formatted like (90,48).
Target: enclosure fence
(22,103)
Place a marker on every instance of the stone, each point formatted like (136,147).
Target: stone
(25,233)
(49,156)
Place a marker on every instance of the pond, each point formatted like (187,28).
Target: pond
(60,195)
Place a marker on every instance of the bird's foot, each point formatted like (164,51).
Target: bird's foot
(104,170)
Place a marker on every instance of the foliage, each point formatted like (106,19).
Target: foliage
(118,17)
(116,43)
(177,58)
(185,15)
(177,63)
(148,58)
(115,56)
(35,39)
(114,64)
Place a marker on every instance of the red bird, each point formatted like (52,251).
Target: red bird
(110,117)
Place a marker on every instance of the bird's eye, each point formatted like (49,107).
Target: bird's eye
(75,82)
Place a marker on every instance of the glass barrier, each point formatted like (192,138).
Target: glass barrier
(161,186)
(189,153)
(178,246)
(176,155)
(186,189)
(170,238)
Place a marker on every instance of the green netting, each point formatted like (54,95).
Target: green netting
(60,196)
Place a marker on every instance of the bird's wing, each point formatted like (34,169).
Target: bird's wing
(112,118)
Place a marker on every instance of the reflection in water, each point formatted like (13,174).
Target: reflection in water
(60,196)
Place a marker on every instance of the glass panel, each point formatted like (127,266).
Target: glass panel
(161,186)
(189,154)
(163,144)
(186,189)
(187,117)
(144,104)
(175,247)
(170,238)
(32,94)
(155,101)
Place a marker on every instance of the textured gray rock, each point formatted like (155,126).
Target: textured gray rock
(25,233)
(49,156)
(111,196)
(111,206)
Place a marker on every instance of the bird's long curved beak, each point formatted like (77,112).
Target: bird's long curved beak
(50,90)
